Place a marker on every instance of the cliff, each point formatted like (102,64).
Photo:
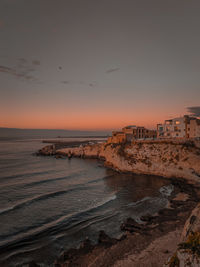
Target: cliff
(164,158)
(188,251)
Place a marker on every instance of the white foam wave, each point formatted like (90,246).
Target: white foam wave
(166,190)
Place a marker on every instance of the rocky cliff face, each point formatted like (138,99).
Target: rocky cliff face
(188,251)
(165,158)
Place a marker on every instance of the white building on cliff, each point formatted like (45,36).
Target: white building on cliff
(181,127)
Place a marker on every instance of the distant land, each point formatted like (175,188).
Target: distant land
(16,133)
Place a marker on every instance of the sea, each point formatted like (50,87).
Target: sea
(49,205)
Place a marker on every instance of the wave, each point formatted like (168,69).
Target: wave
(32,246)
(64,178)
(32,183)
(53,225)
(44,181)
(166,190)
(136,203)
(11,177)
(38,198)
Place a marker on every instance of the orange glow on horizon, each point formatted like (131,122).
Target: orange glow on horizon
(96,121)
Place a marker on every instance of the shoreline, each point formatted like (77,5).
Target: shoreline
(166,158)
(138,239)
(156,232)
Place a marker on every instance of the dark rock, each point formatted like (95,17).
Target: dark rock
(33,264)
(68,255)
(105,239)
(72,254)
(166,251)
(147,218)
(86,246)
(192,219)
(124,236)
(131,226)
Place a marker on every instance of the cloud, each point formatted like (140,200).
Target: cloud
(23,69)
(22,74)
(8,70)
(112,70)
(195,111)
(65,82)
(92,84)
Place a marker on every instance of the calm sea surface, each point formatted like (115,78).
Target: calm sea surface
(48,205)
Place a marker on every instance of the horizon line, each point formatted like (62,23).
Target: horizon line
(58,129)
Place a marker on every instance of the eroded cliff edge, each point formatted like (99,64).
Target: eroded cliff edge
(163,158)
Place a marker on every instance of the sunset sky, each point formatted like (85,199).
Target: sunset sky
(97,64)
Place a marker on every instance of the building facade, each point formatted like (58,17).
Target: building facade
(130,133)
(181,127)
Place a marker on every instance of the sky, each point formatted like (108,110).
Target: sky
(97,64)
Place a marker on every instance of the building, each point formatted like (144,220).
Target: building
(193,128)
(117,137)
(130,133)
(181,127)
(138,132)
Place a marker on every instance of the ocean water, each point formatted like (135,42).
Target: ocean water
(48,205)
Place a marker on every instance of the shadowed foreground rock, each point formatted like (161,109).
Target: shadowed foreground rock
(72,257)
(188,252)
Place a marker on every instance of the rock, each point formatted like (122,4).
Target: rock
(131,226)
(192,224)
(187,259)
(47,151)
(166,251)
(86,245)
(122,237)
(104,239)
(33,264)
(188,252)
(72,254)
(59,156)
(147,218)
(155,157)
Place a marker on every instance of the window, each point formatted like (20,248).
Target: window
(177,122)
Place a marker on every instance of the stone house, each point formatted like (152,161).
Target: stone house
(130,133)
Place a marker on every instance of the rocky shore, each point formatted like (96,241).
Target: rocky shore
(162,230)
(55,145)
(163,157)
(156,240)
